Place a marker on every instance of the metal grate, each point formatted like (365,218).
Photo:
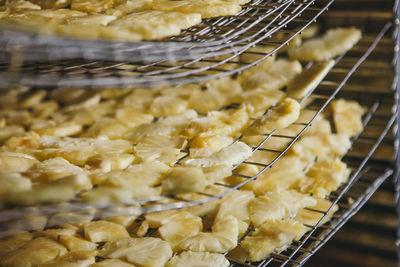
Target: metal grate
(268,23)
(317,102)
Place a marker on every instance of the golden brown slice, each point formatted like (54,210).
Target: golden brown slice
(308,79)
(272,236)
(193,259)
(104,231)
(145,251)
(207,8)
(333,43)
(92,6)
(278,205)
(347,116)
(279,117)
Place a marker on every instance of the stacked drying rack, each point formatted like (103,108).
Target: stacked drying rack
(210,50)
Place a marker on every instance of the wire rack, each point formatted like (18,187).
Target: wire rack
(258,20)
(214,47)
(318,101)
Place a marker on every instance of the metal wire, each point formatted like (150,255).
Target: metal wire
(158,203)
(274,30)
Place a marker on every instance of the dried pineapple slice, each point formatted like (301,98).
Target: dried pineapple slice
(272,236)
(92,6)
(224,237)
(193,259)
(75,244)
(183,179)
(347,117)
(258,100)
(333,43)
(9,131)
(162,148)
(179,227)
(21,5)
(278,117)
(104,231)
(168,105)
(308,79)
(107,127)
(15,242)
(145,251)
(107,194)
(52,4)
(91,20)
(15,162)
(13,182)
(61,130)
(236,204)
(310,217)
(78,150)
(33,99)
(76,258)
(132,117)
(227,122)
(207,8)
(112,262)
(228,156)
(206,100)
(324,177)
(278,205)
(110,161)
(202,146)
(35,252)
(129,6)
(275,77)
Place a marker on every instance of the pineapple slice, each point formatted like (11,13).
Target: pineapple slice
(308,79)
(75,244)
(324,177)
(110,161)
(168,126)
(45,109)
(279,117)
(33,99)
(167,105)
(347,117)
(321,146)
(274,77)
(273,236)
(106,194)
(9,131)
(92,6)
(158,219)
(162,148)
(56,233)
(132,176)
(33,253)
(91,20)
(61,130)
(208,210)
(54,169)
(73,217)
(112,262)
(78,150)
(322,49)
(257,101)
(224,237)
(52,4)
(310,217)
(72,259)
(211,99)
(124,220)
(193,259)
(106,127)
(183,180)
(144,251)
(227,122)
(132,117)
(14,242)
(236,204)
(278,205)
(203,146)
(228,156)
(179,227)
(207,8)
(13,182)
(129,6)
(104,231)
(217,173)
(21,5)
(15,162)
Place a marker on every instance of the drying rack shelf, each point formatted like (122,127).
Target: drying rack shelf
(210,50)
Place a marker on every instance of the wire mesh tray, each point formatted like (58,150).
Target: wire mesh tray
(258,20)
(316,103)
(152,71)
